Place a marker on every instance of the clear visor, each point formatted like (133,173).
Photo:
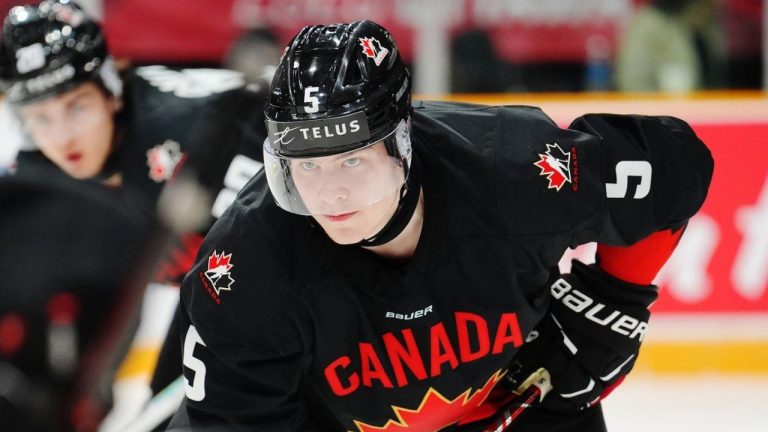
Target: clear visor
(341,183)
(54,121)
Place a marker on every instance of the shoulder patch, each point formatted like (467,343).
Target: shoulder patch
(163,160)
(559,167)
(218,276)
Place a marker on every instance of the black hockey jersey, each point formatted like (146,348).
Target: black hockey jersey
(281,325)
(201,120)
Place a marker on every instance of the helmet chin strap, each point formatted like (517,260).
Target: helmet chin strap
(409,198)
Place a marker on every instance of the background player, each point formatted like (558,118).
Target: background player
(134,131)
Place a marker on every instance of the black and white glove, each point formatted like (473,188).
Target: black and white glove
(589,339)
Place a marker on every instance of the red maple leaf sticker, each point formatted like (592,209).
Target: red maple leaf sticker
(368,48)
(555,164)
(372,48)
(68,14)
(435,411)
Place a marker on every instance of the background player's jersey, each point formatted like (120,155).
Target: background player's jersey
(204,123)
(281,325)
(204,120)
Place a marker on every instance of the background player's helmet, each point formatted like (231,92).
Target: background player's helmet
(51,48)
(337,89)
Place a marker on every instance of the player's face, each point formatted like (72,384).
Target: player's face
(74,129)
(351,196)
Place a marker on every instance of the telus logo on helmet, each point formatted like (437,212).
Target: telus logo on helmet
(328,132)
(50,79)
(372,48)
(337,130)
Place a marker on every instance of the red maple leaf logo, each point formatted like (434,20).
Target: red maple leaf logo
(555,164)
(372,48)
(163,160)
(219,263)
(368,48)
(68,14)
(435,410)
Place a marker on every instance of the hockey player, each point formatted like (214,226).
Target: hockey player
(64,300)
(135,131)
(395,267)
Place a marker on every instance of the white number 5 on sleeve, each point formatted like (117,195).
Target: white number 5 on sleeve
(625,170)
(196,390)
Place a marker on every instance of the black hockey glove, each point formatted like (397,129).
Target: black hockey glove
(589,339)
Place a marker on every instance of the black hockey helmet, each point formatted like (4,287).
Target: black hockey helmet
(51,48)
(338,89)
(342,94)
(328,78)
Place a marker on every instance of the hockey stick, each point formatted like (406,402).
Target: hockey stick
(158,409)
(531,391)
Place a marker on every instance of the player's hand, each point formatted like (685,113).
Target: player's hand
(590,337)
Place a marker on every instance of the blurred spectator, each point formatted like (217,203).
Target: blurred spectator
(255,53)
(673,46)
(477,68)
(598,64)
(744,27)
(474,65)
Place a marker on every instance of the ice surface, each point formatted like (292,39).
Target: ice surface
(695,403)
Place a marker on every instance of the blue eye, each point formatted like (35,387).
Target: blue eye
(352,162)
(308,165)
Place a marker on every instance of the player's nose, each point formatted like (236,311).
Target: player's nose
(59,139)
(333,192)
(332,188)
